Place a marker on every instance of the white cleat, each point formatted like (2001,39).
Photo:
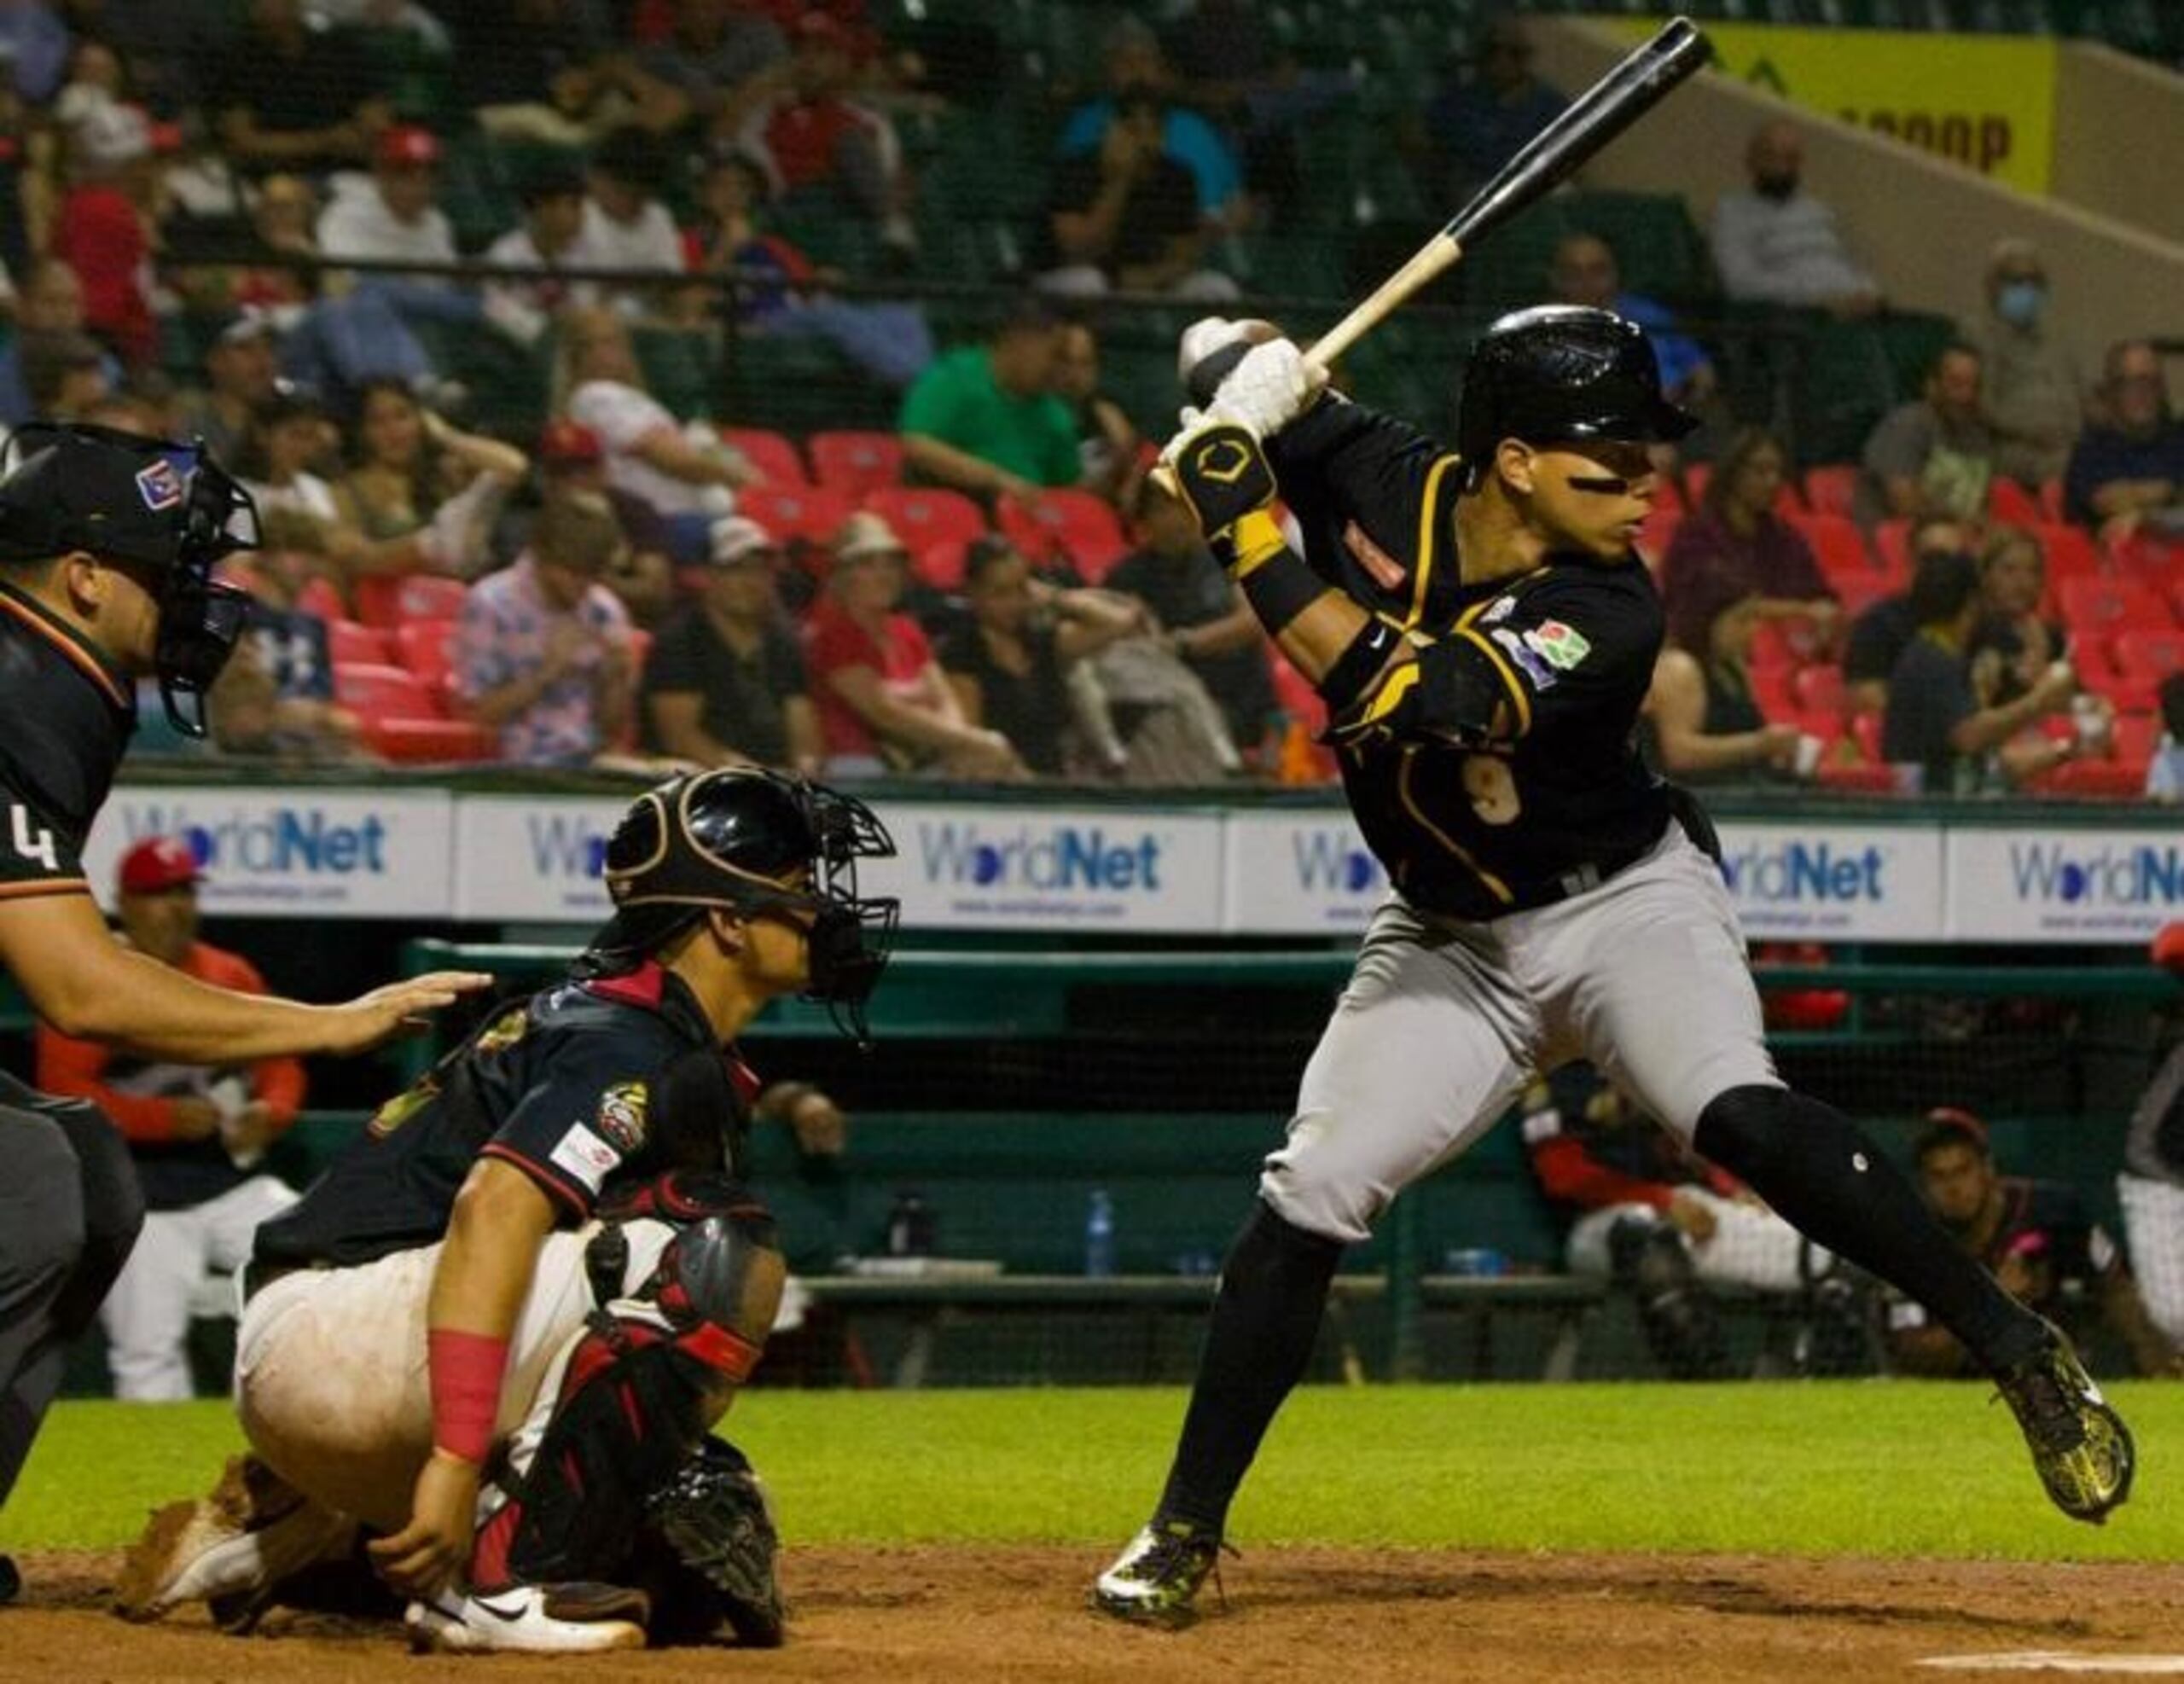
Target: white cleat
(253,1531)
(552,1619)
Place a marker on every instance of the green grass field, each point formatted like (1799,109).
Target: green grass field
(1800,1469)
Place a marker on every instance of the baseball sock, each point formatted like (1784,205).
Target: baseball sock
(1274,1290)
(1824,1176)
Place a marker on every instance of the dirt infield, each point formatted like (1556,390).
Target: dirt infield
(954,1615)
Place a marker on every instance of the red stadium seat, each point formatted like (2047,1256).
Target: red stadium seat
(2093,779)
(2010,503)
(1819,690)
(373,691)
(2113,604)
(1865,779)
(773,454)
(1892,545)
(2136,737)
(921,517)
(428,648)
(940,565)
(1833,490)
(1857,594)
(1774,688)
(349,643)
(2149,655)
(1837,543)
(320,597)
(414,741)
(1657,532)
(1865,731)
(855,463)
(1076,523)
(812,515)
(386,601)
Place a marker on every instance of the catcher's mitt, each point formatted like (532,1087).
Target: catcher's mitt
(707,1553)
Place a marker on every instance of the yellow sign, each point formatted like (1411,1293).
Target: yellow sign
(1988,102)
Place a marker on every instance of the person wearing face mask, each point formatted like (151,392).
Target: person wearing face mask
(1774,243)
(2030,389)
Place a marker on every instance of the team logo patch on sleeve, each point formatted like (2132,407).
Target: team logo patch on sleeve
(504,1031)
(1558,645)
(621,1118)
(1519,650)
(586,1158)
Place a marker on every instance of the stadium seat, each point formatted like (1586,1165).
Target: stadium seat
(322,598)
(1832,488)
(2094,779)
(1837,543)
(1858,778)
(2069,553)
(2009,502)
(1658,532)
(1857,593)
(2113,604)
(922,516)
(386,601)
(940,564)
(855,463)
(2136,735)
(1865,731)
(2149,655)
(373,690)
(1076,523)
(350,642)
(1819,690)
(773,454)
(813,515)
(415,741)
(1774,688)
(427,649)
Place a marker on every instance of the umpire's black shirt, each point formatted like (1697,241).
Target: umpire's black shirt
(65,715)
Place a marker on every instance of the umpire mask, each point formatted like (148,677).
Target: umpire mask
(164,511)
(738,837)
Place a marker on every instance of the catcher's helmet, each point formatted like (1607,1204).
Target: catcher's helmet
(163,508)
(740,837)
(1558,373)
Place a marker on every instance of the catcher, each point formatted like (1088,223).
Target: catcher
(493,1338)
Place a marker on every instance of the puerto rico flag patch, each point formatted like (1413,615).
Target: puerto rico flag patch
(159,484)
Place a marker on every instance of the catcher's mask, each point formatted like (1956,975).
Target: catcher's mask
(738,837)
(163,510)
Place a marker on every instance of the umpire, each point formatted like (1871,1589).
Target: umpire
(107,544)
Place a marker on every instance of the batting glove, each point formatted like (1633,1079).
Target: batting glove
(1268,389)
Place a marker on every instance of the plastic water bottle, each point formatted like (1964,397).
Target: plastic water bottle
(1100,1233)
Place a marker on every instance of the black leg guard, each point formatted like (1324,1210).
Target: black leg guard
(1683,1325)
(1274,1290)
(1827,1178)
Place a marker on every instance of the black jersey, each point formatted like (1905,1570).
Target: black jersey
(68,713)
(1477,832)
(584,1087)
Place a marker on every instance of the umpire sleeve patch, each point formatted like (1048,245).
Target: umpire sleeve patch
(585,1157)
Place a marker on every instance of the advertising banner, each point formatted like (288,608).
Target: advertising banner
(1835,882)
(1055,869)
(533,859)
(292,853)
(1299,873)
(2027,885)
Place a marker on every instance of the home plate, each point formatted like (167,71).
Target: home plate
(2060,1660)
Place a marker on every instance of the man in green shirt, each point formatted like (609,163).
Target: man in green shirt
(986,419)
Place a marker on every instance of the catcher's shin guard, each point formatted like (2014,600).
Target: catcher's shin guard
(630,1401)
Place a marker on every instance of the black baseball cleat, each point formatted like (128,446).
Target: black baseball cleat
(1156,1578)
(2080,1445)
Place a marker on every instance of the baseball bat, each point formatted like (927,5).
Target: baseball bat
(1630,90)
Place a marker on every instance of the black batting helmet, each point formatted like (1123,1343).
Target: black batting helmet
(1560,374)
(754,841)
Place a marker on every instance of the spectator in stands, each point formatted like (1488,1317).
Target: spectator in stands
(1206,623)
(2165,770)
(2031,393)
(2151,1186)
(987,419)
(572,463)
(64,376)
(884,702)
(2038,1239)
(283,223)
(50,301)
(277,697)
(1774,243)
(626,224)
(106,227)
(196,1133)
(1707,725)
(1235,70)
(719,58)
(685,480)
(531,69)
(1133,60)
(1735,547)
(725,686)
(1009,664)
(1936,720)
(550,237)
(1585,271)
(1665,1227)
(2126,474)
(291,97)
(1108,446)
(543,653)
(422,492)
(242,372)
(1125,216)
(819,145)
(287,443)
(2014,645)
(1878,635)
(34,48)
(1935,455)
(1477,123)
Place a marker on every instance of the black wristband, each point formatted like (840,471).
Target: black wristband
(1358,665)
(1281,587)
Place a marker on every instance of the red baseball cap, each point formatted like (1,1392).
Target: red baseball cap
(1949,1122)
(566,441)
(157,864)
(2168,946)
(406,146)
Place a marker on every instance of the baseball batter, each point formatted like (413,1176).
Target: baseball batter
(1484,635)
(495,1334)
(107,544)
